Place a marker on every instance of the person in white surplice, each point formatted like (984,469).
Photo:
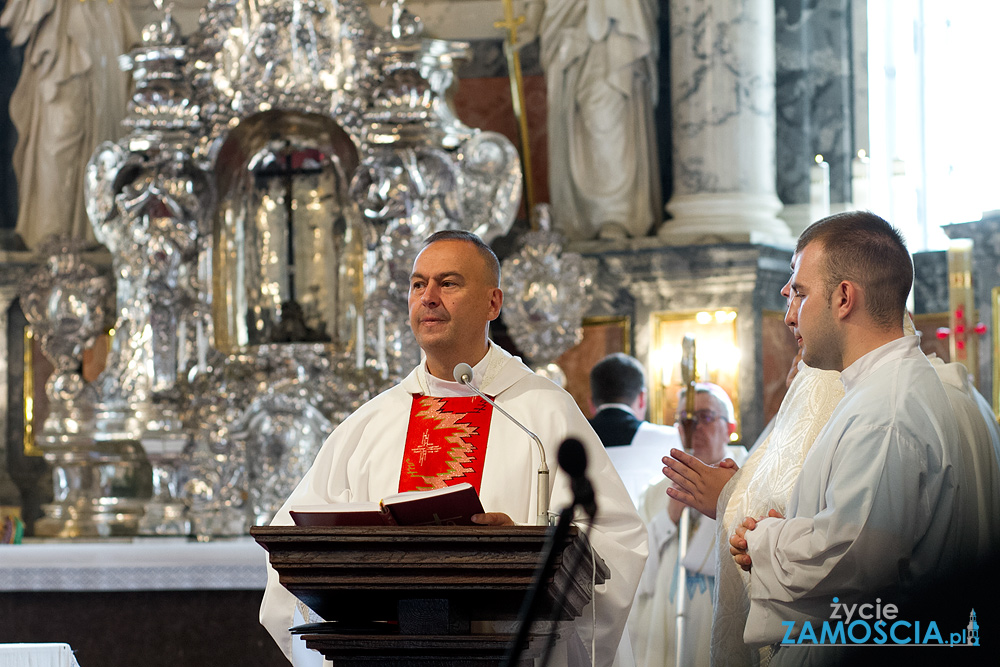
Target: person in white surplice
(765,482)
(884,503)
(981,437)
(454,294)
(653,623)
(767,478)
(70,97)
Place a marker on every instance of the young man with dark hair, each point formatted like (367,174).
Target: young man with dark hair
(883,502)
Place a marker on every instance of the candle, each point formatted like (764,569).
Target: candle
(819,189)
(861,173)
(182,345)
(202,345)
(359,342)
(382,362)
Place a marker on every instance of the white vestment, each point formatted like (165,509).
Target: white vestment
(882,502)
(599,58)
(652,624)
(765,482)
(981,437)
(362,458)
(70,97)
(640,463)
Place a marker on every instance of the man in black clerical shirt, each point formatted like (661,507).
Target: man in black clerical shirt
(618,398)
(618,401)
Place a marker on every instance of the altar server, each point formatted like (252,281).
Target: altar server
(884,502)
(653,626)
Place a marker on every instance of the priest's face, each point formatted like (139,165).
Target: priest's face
(453,298)
(711,434)
(810,310)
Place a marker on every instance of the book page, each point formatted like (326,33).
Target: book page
(337,507)
(341,514)
(430,493)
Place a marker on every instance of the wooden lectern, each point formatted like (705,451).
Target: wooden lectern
(429,595)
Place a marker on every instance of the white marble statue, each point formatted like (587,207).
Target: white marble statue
(599,58)
(71,96)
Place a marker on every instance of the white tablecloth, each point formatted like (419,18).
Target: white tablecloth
(37,655)
(140,565)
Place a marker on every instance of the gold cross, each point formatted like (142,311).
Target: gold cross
(425,448)
(510,24)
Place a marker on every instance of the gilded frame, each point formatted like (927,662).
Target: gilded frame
(668,328)
(601,336)
(28,389)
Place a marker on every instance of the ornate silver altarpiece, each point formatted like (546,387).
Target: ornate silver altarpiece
(281,166)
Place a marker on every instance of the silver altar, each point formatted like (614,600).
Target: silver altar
(280,168)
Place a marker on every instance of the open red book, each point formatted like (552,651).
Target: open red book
(448,506)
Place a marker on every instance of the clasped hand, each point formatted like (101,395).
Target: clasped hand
(697,484)
(738,542)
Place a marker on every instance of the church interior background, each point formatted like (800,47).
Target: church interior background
(227,286)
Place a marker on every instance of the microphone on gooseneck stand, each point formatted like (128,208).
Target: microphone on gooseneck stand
(573,459)
(463,375)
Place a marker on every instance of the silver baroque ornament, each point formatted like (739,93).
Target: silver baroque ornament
(259,419)
(421,171)
(64,301)
(99,487)
(149,200)
(545,295)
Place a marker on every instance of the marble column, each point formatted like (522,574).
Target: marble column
(722,99)
(814,84)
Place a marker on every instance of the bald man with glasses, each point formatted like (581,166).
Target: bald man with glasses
(652,626)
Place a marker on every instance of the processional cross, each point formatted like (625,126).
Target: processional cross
(512,51)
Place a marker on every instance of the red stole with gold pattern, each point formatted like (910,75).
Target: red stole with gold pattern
(445,442)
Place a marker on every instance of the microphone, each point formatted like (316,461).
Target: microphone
(573,459)
(463,375)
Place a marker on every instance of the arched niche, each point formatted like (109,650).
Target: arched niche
(288,256)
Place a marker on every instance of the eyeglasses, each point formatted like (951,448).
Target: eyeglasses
(700,417)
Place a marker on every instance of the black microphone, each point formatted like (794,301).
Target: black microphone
(463,375)
(573,459)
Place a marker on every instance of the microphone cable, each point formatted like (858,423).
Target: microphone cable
(564,591)
(573,459)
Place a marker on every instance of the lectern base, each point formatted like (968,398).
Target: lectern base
(454,593)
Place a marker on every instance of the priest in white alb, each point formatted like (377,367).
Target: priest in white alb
(430,431)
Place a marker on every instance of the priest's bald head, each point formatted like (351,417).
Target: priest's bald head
(851,275)
(454,295)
